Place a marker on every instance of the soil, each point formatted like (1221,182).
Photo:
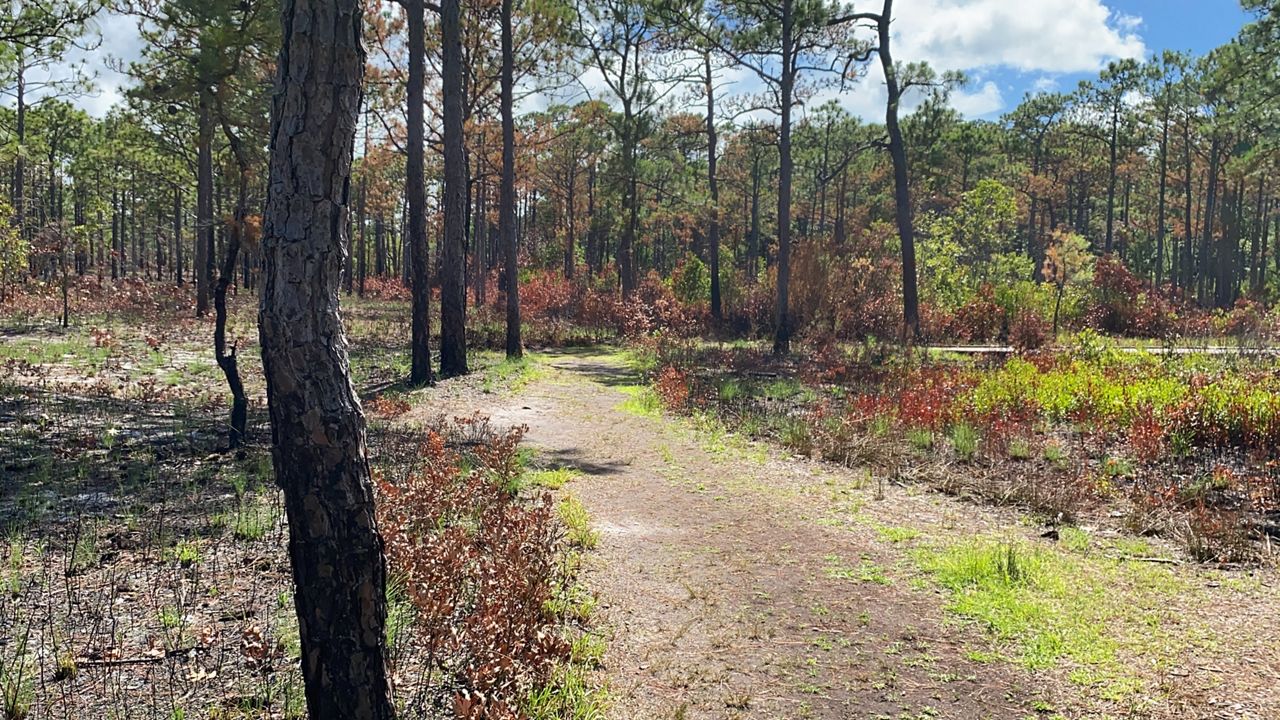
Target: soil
(713,574)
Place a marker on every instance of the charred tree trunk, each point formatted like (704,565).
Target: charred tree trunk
(782,313)
(453,290)
(713,187)
(318,427)
(420,372)
(227,359)
(901,187)
(507,199)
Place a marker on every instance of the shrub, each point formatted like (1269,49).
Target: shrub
(691,280)
(1028,330)
(480,567)
(1124,304)
(672,387)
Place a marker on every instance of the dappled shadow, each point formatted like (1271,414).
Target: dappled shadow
(64,456)
(576,459)
(604,373)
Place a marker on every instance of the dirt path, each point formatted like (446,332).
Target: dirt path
(738,583)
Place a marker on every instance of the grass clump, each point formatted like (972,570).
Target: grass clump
(642,401)
(1044,606)
(577,523)
(964,439)
(570,695)
(252,520)
(551,478)
(920,439)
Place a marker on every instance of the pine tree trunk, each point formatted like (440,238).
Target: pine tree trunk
(901,187)
(318,427)
(420,372)
(204,206)
(782,312)
(507,201)
(713,230)
(453,289)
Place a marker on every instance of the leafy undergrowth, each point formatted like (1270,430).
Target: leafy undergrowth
(499,623)
(1178,445)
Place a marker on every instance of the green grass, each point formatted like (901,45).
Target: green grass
(512,375)
(866,571)
(17,676)
(1046,607)
(570,695)
(577,523)
(641,401)
(550,478)
(920,439)
(897,534)
(964,439)
(252,520)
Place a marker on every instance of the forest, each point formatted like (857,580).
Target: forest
(652,359)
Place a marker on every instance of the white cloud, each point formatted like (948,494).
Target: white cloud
(981,102)
(1054,36)
(1044,37)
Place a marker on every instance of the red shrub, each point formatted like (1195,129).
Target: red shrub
(1146,435)
(479,566)
(385,288)
(1029,331)
(929,398)
(672,386)
(547,294)
(1124,304)
(981,319)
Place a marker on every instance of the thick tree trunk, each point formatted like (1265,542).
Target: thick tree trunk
(420,372)
(453,289)
(507,199)
(318,427)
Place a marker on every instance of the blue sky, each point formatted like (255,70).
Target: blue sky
(1006,47)
(1197,26)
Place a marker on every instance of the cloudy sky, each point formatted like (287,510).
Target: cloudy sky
(1006,47)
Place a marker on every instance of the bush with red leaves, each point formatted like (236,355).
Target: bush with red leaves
(386,288)
(672,386)
(480,565)
(1124,304)
(1029,331)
